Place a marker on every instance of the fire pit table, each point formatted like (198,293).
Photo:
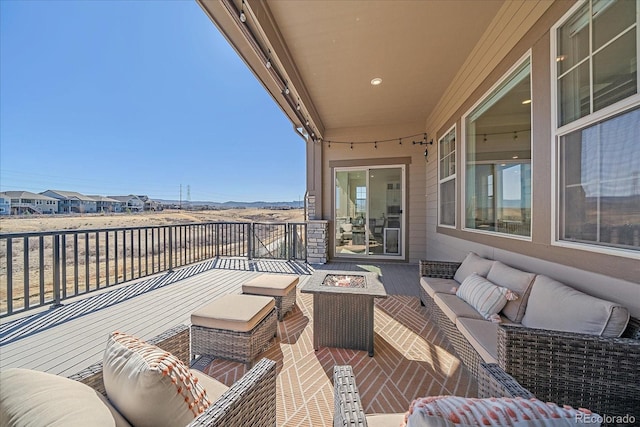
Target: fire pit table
(343,308)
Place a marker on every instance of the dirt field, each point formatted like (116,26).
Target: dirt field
(97,261)
(12,224)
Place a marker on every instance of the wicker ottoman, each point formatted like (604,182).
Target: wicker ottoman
(234,327)
(282,287)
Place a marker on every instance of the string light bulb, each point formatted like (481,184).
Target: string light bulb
(375,145)
(243,17)
(351,146)
(399,141)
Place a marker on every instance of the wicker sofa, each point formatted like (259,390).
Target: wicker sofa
(249,401)
(577,369)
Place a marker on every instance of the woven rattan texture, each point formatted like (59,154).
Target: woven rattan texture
(242,347)
(587,371)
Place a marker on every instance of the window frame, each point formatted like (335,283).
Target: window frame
(557,133)
(463,148)
(449,178)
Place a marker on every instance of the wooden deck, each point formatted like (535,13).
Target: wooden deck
(409,348)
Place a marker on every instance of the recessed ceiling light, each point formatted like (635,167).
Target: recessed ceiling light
(526,101)
(514,157)
(376,81)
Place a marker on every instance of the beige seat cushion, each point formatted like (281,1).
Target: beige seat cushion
(214,388)
(275,285)
(482,335)
(433,285)
(556,306)
(34,398)
(519,282)
(454,307)
(240,313)
(385,420)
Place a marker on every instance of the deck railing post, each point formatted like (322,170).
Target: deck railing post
(250,236)
(170,249)
(56,271)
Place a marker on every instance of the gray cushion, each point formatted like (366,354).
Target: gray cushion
(482,335)
(433,285)
(454,307)
(385,420)
(33,398)
(473,264)
(519,282)
(553,305)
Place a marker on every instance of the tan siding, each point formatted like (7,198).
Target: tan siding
(611,277)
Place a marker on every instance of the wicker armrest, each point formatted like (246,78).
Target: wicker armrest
(441,269)
(576,369)
(348,407)
(493,381)
(251,401)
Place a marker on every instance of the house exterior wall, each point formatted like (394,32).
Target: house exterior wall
(605,275)
(390,152)
(5,205)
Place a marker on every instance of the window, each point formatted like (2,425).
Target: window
(361,200)
(598,126)
(498,158)
(447,178)
(600,183)
(596,58)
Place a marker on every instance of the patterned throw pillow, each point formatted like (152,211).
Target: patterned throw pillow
(504,412)
(487,298)
(149,386)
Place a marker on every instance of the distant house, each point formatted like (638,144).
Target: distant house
(5,204)
(72,202)
(23,202)
(107,204)
(149,204)
(130,203)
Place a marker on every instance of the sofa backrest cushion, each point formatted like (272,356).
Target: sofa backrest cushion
(555,306)
(483,295)
(35,398)
(519,282)
(150,386)
(473,264)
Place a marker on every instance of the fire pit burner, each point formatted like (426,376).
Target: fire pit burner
(344,281)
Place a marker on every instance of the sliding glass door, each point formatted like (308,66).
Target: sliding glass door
(369,206)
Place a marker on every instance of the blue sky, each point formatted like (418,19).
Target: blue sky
(136,97)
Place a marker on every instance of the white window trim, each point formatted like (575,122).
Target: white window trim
(463,152)
(449,178)
(621,106)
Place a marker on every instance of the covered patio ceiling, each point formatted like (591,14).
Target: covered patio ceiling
(326,54)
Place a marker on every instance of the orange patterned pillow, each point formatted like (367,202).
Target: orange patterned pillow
(503,412)
(149,386)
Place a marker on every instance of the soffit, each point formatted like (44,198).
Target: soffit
(416,47)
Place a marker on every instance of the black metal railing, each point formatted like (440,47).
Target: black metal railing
(45,268)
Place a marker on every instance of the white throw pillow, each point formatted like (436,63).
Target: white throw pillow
(487,298)
(149,386)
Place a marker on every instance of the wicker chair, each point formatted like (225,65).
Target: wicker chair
(251,401)
(493,382)
(576,369)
